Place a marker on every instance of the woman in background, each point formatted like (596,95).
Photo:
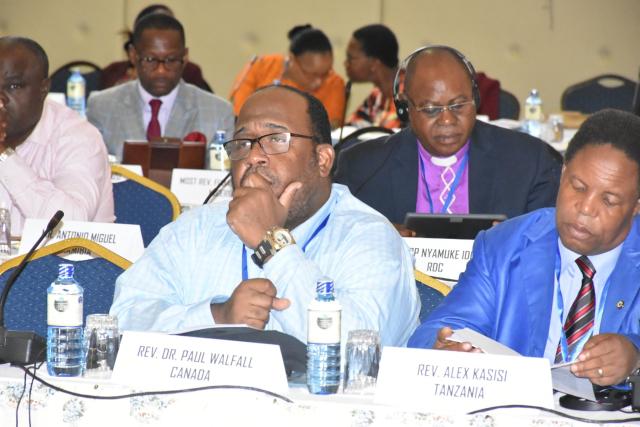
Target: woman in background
(372,57)
(308,67)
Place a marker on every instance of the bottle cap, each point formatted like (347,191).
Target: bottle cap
(65,271)
(324,286)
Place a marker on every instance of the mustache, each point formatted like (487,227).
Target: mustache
(264,171)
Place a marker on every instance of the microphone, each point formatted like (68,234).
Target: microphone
(214,191)
(347,95)
(23,347)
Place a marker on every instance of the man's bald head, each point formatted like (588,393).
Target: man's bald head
(40,56)
(436,55)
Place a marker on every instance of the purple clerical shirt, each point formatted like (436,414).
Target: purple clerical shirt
(434,172)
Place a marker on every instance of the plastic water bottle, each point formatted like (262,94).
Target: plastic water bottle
(218,159)
(323,340)
(76,87)
(5,230)
(533,115)
(65,353)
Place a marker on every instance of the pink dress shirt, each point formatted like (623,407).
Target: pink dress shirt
(62,165)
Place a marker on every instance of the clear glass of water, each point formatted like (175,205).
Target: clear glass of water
(102,341)
(362,361)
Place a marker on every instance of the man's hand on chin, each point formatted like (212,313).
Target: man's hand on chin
(607,359)
(255,208)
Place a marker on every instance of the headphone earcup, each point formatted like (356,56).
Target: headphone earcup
(402,110)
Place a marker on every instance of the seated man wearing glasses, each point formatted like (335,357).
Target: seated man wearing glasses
(256,260)
(159,103)
(446,161)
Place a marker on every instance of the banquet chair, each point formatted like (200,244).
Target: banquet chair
(508,106)
(139,200)
(91,72)
(26,306)
(604,91)
(431,291)
(358,136)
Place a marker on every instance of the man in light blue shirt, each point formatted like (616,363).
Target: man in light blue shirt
(562,283)
(256,260)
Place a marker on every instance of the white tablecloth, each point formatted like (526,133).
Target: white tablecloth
(231,407)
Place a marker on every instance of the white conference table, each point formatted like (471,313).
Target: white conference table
(235,407)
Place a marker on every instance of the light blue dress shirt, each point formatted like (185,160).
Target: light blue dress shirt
(198,259)
(570,283)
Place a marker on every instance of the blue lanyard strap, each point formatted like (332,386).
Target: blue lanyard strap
(245,269)
(454,186)
(564,346)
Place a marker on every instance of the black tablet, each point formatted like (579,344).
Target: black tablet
(445,226)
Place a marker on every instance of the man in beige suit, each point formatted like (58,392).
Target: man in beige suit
(158,103)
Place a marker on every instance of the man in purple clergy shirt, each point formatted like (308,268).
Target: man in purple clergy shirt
(446,161)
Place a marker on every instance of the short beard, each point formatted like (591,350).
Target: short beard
(302,203)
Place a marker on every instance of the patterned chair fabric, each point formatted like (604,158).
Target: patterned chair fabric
(139,200)
(431,292)
(26,307)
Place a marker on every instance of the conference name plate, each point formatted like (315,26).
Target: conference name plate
(440,258)
(448,381)
(156,361)
(123,239)
(192,186)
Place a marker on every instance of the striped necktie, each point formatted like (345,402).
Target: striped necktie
(581,318)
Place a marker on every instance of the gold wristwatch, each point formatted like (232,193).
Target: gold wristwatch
(275,239)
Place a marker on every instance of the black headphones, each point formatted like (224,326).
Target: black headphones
(402,106)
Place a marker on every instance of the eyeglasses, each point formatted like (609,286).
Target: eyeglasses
(434,111)
(273,143)
(151,63)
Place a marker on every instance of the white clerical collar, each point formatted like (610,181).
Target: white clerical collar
(444,161)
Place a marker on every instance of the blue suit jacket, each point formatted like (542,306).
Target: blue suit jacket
(506,292)
(510,173)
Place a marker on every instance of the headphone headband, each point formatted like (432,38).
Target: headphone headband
(402,107)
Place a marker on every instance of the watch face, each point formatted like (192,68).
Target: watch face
(282,237)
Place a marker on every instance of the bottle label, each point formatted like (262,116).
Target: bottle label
(323,327)
(75,90)
(64,310)
(533,112)
(218,159)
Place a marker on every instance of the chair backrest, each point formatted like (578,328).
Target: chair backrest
(90,71)
(139,200)
(508,106)
(26,307)
(357,136)
(431,291)
(605,91)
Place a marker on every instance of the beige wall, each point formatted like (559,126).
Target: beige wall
(548,44)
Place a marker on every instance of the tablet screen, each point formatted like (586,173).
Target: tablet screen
(443,226)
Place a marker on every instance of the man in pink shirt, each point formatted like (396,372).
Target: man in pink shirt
(50,157)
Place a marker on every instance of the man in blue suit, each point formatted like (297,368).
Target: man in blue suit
(562,283)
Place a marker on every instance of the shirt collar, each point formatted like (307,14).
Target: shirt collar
(427,157)
(167,100)
(603,263)
(303,232)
